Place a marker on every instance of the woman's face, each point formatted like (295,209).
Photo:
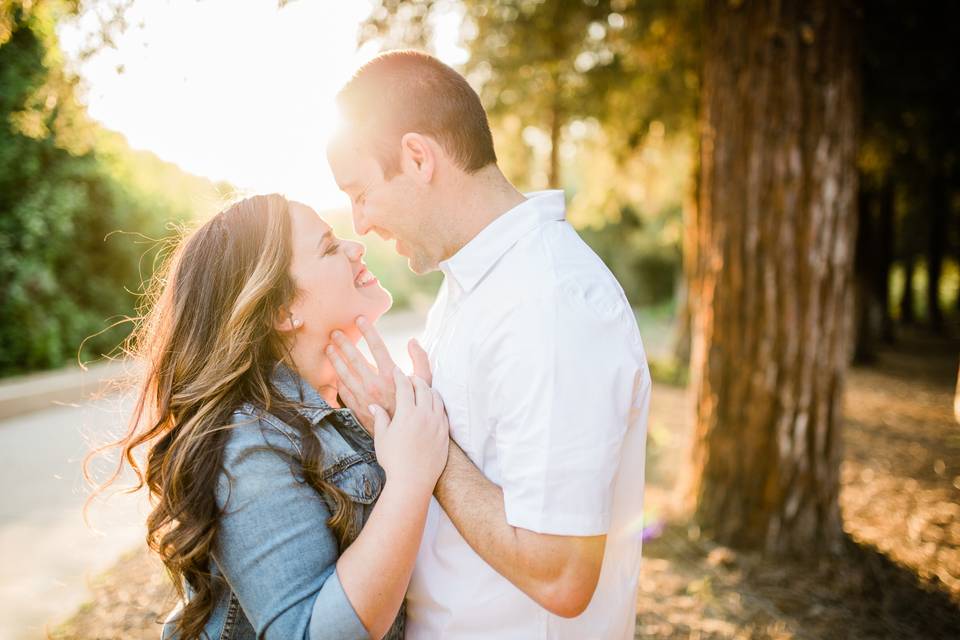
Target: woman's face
(334,284)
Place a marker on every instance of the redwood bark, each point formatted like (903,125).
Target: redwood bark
(775,241)
(936,247)
(886,258)
(865,265)
(908,313)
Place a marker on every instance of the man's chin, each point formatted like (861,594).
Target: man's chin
(420,267)
(416,262)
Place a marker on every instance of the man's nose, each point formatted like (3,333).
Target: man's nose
(360,224)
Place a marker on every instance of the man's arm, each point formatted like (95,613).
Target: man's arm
(560,573)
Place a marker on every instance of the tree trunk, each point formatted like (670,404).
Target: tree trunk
(940,204)
(865,264)
(885,227)
(908,314)
(683,337)
(775,238)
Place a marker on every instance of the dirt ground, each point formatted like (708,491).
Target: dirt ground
(898,578)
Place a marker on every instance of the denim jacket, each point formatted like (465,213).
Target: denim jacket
(273,544)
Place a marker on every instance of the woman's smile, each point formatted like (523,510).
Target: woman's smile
(365,278)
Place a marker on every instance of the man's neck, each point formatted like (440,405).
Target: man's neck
(477,201)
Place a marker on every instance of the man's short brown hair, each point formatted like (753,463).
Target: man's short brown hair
(406,91)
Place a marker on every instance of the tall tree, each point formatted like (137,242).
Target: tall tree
(908,313)
(866,298)
(771,294)
(937,245)
(885,259)
(66,187)
(874,259)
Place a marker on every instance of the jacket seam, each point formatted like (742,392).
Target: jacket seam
(231,620)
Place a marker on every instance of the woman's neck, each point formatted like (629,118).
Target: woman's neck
(315,367)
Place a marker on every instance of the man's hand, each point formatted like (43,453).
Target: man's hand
(361,383)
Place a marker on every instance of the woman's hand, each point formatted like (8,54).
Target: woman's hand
(412,447)
(362,383)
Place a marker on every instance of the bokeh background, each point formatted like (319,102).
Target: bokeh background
(774,183)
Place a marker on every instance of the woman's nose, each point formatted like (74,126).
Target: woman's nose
(355,250)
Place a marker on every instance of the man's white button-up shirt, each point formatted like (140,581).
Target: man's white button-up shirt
(536,353)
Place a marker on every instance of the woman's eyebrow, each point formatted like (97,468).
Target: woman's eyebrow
(325,237)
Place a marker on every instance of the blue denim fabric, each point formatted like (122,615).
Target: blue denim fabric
(273,545)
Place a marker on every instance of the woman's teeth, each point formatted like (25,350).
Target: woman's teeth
(365,278)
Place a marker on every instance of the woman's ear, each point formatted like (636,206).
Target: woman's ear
(418,156)
(286,322)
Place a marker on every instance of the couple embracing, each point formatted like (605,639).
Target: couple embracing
(302,491)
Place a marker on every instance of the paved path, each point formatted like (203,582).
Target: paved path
(47,553)
(36,391)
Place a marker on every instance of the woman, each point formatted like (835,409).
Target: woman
(276,512)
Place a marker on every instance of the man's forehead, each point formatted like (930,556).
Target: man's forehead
(352,166)
(343,144)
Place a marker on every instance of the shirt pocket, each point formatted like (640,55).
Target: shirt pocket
(357,476)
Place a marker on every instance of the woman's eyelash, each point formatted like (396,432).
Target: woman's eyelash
(331,248)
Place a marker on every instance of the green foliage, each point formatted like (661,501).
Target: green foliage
(66,187)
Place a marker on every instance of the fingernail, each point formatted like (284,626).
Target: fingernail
(337,335)
(361,321)
(329,351)
(372,408)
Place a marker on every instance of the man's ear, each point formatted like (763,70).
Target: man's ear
(285,321)
(418,156)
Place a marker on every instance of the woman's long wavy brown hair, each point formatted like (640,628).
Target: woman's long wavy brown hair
(208,341)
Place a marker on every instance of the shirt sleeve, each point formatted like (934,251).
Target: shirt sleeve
(274,547)
(559,373)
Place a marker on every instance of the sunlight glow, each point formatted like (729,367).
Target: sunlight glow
(237,91)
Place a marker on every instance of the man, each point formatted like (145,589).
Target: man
(535,530)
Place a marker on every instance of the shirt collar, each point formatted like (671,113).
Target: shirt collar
(475,259)
(295,389)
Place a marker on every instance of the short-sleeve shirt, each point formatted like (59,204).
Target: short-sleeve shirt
(536,353)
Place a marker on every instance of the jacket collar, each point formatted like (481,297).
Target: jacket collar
(301,393)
